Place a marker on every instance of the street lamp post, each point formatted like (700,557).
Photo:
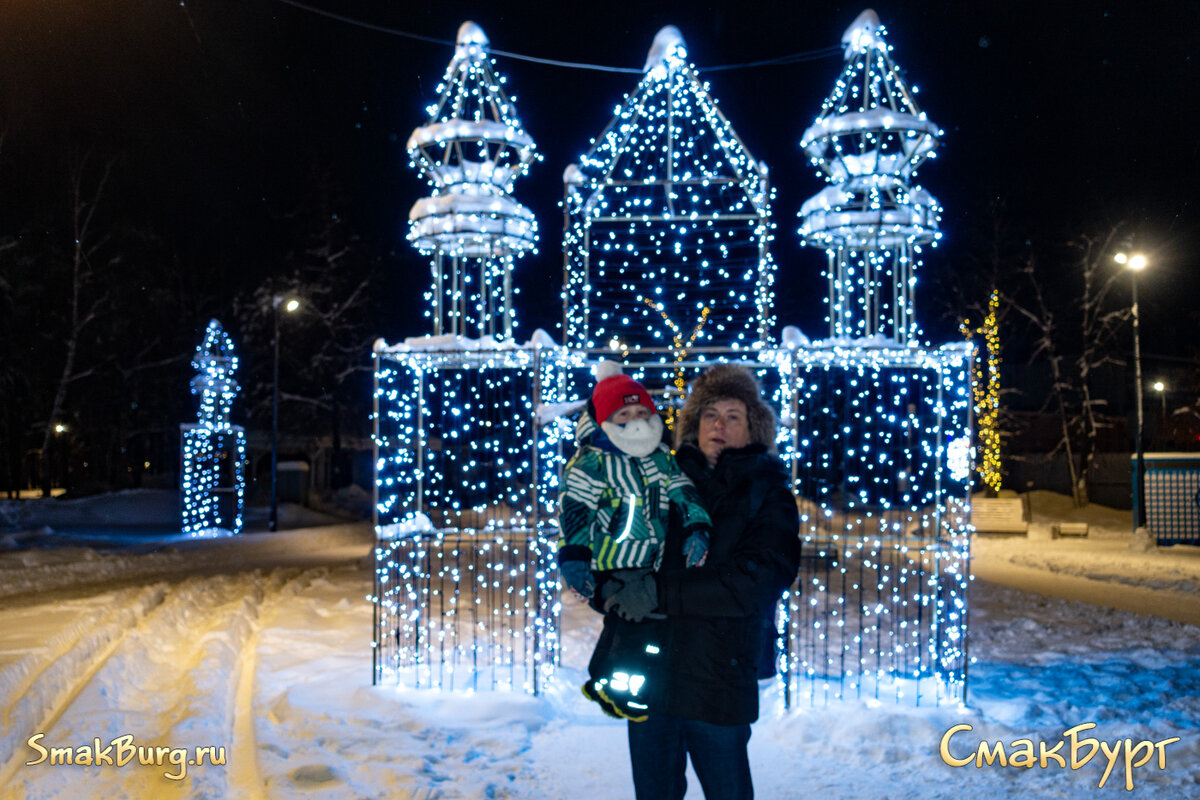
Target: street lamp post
(1135,263)
(288,306)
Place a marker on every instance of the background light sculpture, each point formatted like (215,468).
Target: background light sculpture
(471,151)
(213,486)
(867,142)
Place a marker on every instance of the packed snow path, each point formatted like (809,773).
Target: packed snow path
(261,646)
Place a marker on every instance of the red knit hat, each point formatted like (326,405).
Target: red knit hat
(617,391)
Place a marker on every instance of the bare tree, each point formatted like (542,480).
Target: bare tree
(1099,326)
(1046,344)
(86,295)
(1077,349)
(326,345)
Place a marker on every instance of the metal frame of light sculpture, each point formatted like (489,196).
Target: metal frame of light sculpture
(867,142)
(667,214)
(471,151)
(213,442)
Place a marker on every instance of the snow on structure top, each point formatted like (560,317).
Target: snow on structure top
(864,33)
(667,50)
(869,123)
(668,221)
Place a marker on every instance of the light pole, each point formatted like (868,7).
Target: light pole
(289,305)
(1135,263)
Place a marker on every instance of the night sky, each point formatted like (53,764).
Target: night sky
(1074,117)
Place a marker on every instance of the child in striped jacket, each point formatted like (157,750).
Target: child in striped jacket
(618,490)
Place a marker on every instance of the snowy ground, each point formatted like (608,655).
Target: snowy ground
(261,646)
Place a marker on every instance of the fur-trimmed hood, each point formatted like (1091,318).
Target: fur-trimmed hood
(727,382)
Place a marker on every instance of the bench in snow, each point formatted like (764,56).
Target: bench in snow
(1068,529)
(999,515)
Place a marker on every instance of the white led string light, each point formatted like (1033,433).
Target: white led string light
(213,484)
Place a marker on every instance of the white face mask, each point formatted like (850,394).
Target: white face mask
(638,437)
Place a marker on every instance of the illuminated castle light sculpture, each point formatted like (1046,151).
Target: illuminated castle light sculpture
(667,268)
(213,472)
(868,142)
(471,151)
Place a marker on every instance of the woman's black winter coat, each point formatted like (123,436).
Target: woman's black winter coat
(719,616)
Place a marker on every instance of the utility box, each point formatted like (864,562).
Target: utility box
(1172,498)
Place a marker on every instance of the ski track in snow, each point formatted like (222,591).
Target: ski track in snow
(274,665)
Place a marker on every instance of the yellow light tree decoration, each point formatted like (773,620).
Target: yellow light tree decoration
(986,394)
(679,348)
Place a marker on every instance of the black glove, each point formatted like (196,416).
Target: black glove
(636,600)
(578,577)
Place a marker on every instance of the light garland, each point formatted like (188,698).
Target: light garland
(985,391)
(213,483)
(471,151)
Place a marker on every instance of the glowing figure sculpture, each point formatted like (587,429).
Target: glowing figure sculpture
(214,450)
(471,151)
(868,142)
(668,215)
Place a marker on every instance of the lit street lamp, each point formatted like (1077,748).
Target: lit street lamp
(289,305)
(1135,263)
(1161,388)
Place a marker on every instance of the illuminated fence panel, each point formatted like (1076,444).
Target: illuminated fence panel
(1172,497)
(466,611)
(882,468)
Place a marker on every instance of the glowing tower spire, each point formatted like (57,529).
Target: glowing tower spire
(868,141)
(471,151)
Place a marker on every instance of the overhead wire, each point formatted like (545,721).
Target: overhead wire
(793,58)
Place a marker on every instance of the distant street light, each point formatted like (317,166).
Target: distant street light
(1161,388)
(1135,263)
(289,305)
